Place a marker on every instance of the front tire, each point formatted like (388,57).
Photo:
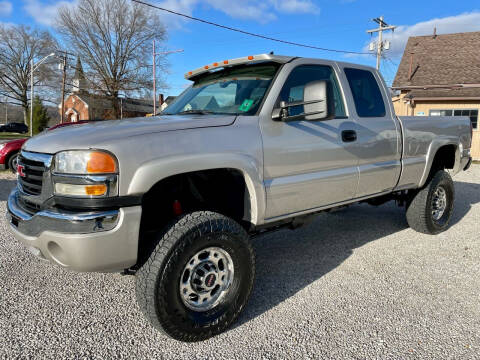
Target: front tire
(198,278)
(430,209)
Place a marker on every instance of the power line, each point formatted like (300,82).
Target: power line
(247,32)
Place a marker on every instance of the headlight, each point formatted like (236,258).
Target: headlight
(85,163)
(2,146)
(85,174)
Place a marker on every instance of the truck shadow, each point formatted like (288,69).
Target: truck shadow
(466,195)
(6,186)
(288,261)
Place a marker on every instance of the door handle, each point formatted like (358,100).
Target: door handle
(349,135)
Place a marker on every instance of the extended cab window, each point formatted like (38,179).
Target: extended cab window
(301,76)
(366,93)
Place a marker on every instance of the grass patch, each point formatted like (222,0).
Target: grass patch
(10,136)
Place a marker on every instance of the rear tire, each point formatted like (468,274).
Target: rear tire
(12,163)
(430,209)
(175,288)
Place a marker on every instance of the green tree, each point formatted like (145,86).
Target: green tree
(40,116)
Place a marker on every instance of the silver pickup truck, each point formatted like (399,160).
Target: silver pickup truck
(255,144)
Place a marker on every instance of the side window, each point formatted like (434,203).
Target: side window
(366,93)
(300,76)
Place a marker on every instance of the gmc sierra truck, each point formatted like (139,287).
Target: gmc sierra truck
(253,145)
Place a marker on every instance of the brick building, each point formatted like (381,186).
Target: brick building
(81,104)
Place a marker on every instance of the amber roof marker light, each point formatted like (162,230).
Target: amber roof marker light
(238,61)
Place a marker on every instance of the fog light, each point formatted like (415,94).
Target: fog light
(96,190)
(80,190)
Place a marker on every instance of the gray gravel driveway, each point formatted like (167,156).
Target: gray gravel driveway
(353,284)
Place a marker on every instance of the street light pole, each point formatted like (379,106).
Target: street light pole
(32,68)
(154,64)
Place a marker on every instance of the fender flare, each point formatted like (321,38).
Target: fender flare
(151,172)
(435,145)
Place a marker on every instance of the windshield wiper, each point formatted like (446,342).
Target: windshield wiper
(196,111)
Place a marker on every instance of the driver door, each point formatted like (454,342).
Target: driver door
(307,165)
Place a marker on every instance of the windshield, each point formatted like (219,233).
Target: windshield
(237,90)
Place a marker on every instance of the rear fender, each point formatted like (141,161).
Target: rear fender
(432,151)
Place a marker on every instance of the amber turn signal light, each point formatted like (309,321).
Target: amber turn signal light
(101,163)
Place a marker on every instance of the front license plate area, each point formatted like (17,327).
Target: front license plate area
(15,221)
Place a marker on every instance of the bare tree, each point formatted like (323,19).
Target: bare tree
(113,39)
(18,46)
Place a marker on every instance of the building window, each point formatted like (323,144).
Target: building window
(471,113)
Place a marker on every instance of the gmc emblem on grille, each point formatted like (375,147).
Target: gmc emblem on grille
(20,169)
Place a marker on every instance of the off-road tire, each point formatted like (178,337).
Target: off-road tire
(12,163)
(157,281)
(420,206)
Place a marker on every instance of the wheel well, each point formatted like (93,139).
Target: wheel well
(9,156)
(444,159)
(220,190)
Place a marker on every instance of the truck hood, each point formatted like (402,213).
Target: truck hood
(94,134)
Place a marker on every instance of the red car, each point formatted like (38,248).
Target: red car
(9,150)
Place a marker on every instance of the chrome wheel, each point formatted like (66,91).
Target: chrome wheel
(439,203)
(206,279)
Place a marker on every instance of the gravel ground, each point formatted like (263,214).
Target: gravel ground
(353,284)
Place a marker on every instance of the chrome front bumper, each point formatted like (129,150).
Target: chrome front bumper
(67,223)
(105,241)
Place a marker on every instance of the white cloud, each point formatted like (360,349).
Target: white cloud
(248,10)
(295,6)
(254,10)
(44,13)
(453,24)
(6,8)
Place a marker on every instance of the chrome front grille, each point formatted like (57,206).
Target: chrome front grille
(30,175)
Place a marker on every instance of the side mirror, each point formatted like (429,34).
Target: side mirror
(315,104)
(316,100)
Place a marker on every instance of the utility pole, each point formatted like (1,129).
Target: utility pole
(64,69)
(6,110)
(34,66)
(154,80)
(64,66)
(154,65)
(383,26)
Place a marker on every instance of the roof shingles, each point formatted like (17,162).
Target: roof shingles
(441,60)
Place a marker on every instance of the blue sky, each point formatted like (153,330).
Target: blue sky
(338,24)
